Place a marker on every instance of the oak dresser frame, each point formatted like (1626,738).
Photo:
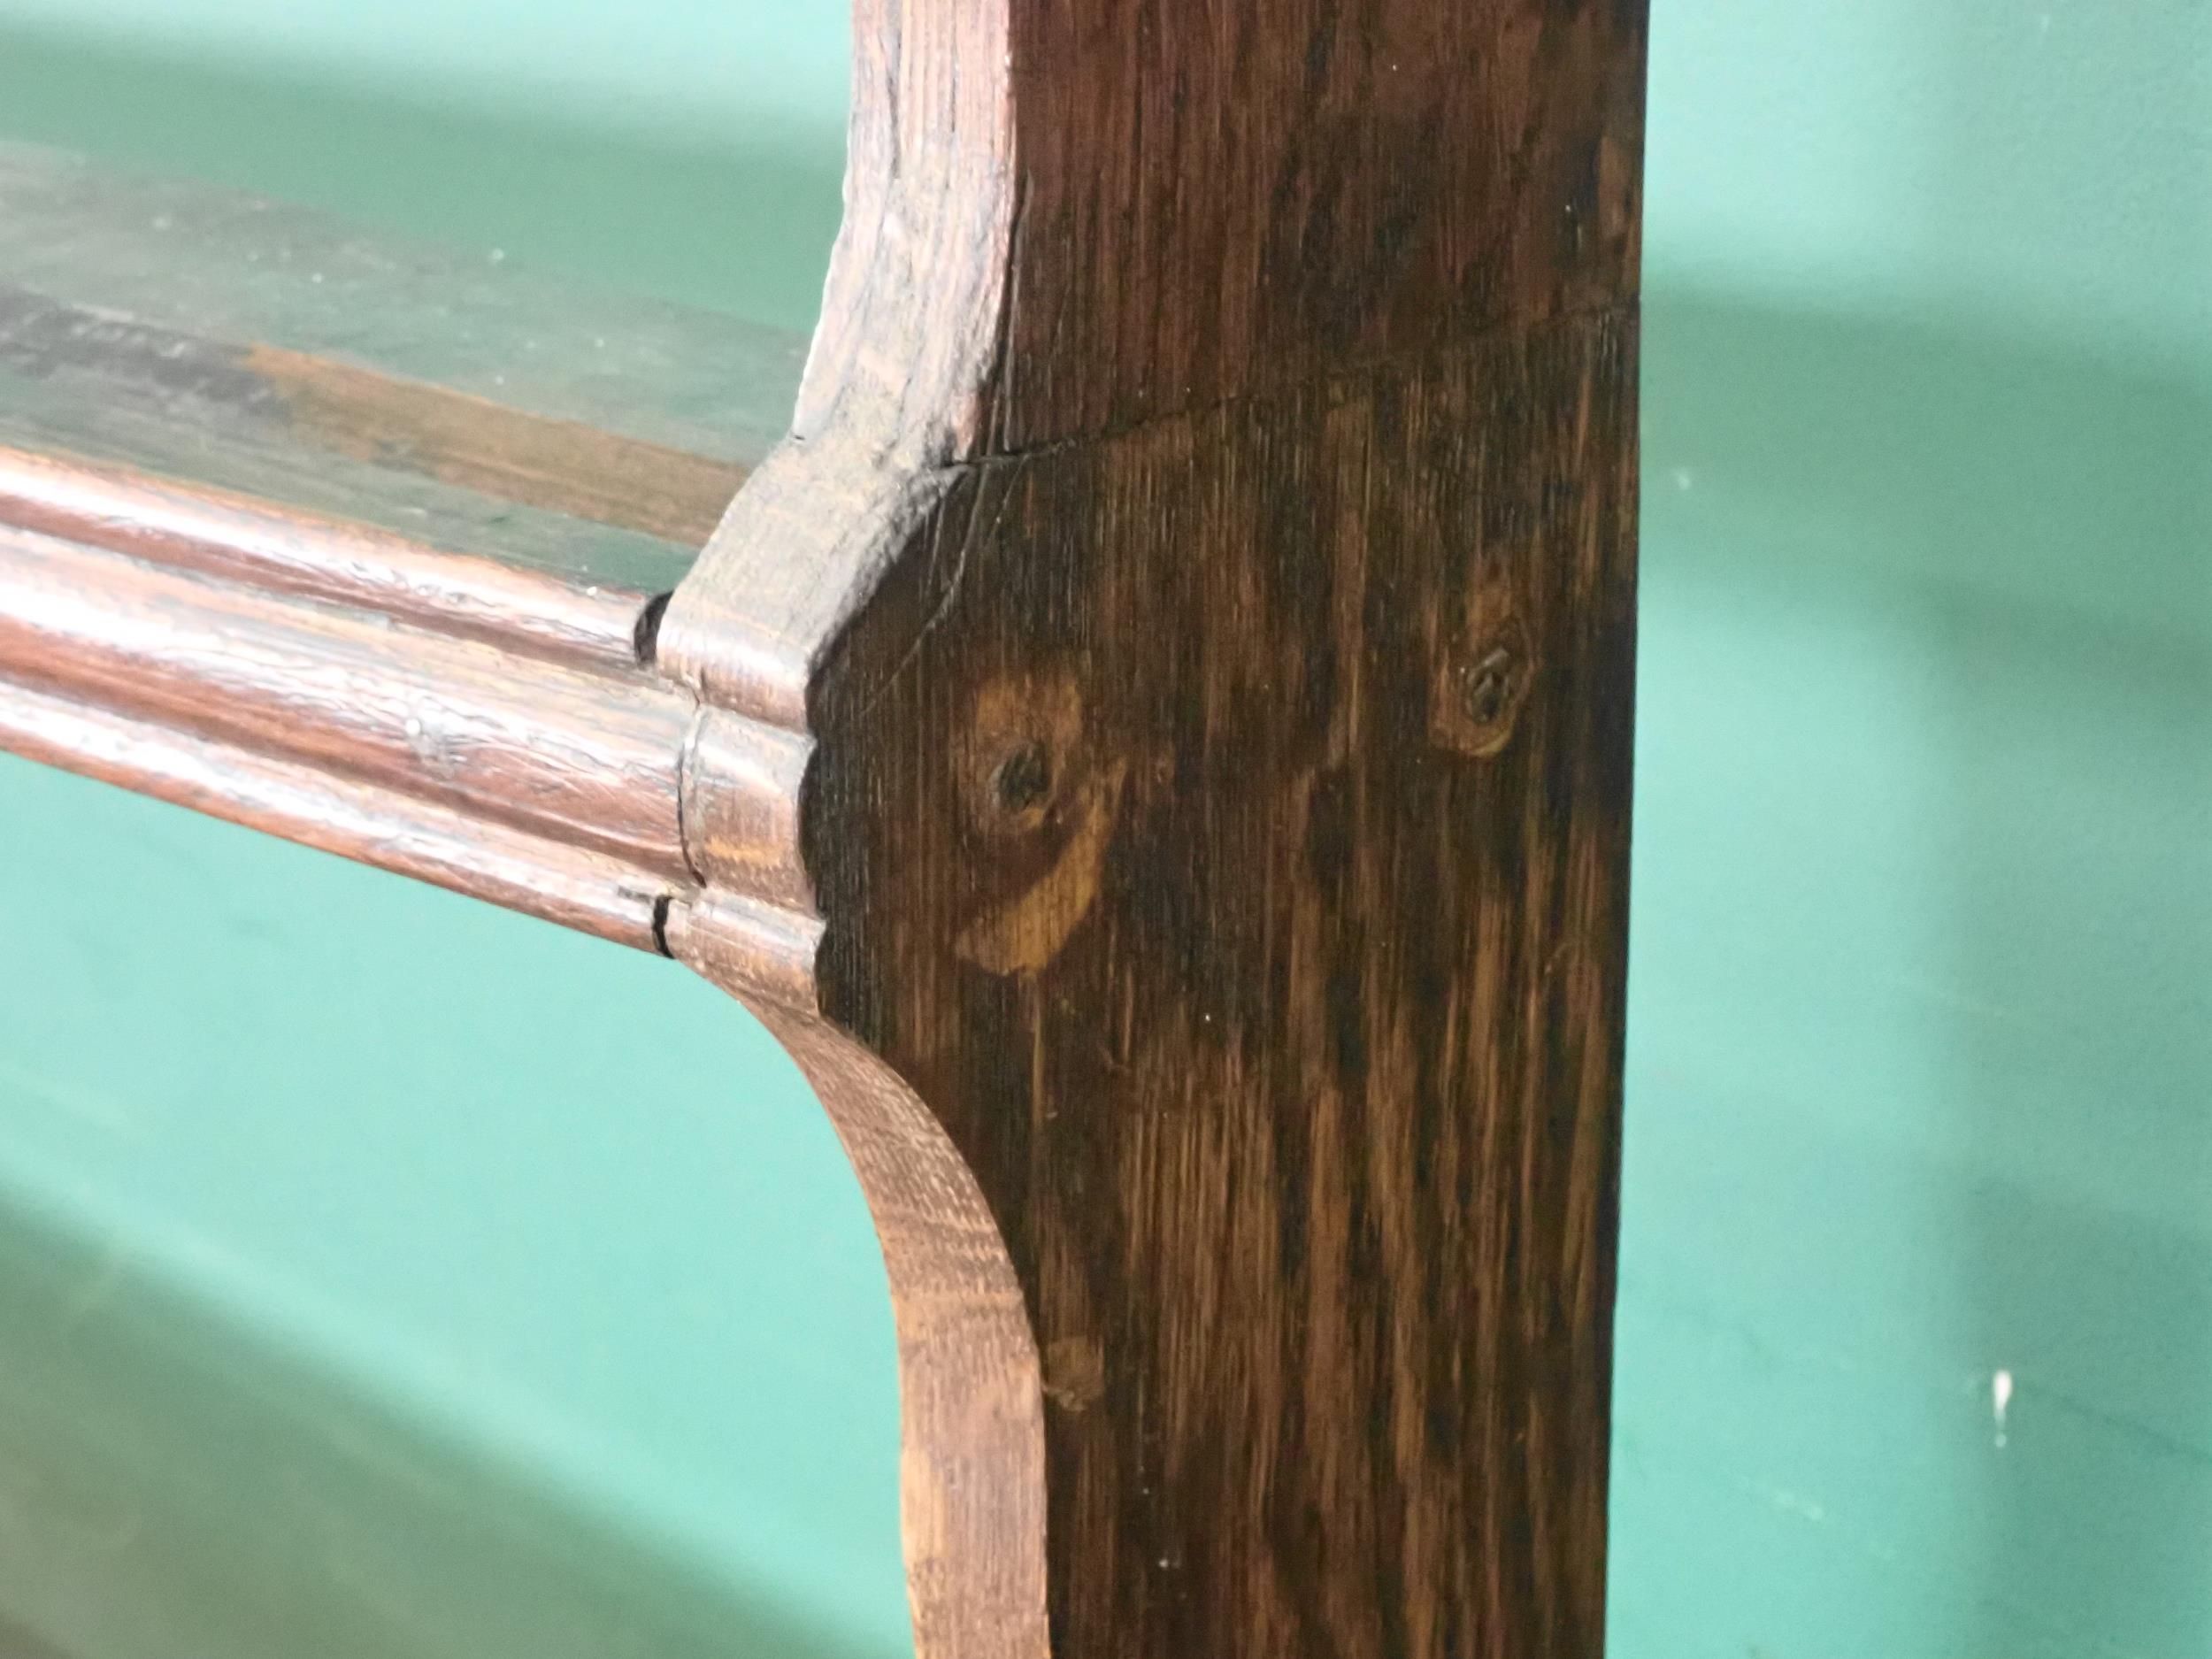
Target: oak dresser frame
(1153,741)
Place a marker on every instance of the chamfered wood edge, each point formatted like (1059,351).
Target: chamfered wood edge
(971,1484)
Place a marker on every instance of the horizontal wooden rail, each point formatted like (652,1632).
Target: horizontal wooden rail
(281,551)
(594,893)
(365,546)
(583,757)
(432,714)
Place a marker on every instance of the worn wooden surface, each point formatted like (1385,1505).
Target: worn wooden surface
(1273,992)
(225,266)
(1205,561)
(220,339)
(547,785)
(361,545)
(1154,744)
(279,550)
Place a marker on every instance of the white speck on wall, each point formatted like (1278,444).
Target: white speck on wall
(1788,1503)
(1684,479)
(2000,1402)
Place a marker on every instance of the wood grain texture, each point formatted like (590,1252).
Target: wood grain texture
(578,755)
(228,267)
(276,550)
(473,443)
(973,1431)
(301,800)
(1273,991)
(1205,561)
(1217,201)
(1154,742)
(223,341)
(1064,220)
(310,432)
(481,725)
(360,543)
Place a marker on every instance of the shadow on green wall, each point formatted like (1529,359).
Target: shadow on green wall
(1921,1047)
(743,228)
(173,1482)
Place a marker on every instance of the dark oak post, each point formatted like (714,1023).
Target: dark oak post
(1155,743)
(1203,573)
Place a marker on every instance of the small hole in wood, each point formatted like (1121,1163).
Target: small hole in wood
(1490,686)
(1022,778)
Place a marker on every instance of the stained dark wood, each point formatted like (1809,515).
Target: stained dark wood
(1224,200)
(1153,742)
(1272,989)
(1205,561)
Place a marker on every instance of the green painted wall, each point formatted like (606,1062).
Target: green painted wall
(1921,1046)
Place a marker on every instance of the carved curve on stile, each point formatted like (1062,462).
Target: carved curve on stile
(971,1407)
(971,1402)
(911,323)
(1211,483)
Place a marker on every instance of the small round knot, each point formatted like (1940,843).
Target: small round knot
(1022,778)
(1479,700)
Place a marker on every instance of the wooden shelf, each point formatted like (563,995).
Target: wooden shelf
(217,338)
(1141,707)
(252,561)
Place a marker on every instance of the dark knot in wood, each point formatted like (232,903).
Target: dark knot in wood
(1491,685)
(1480,701)
(1044,803)
(1022,780)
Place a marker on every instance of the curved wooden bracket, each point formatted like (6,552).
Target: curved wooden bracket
(1202,575)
